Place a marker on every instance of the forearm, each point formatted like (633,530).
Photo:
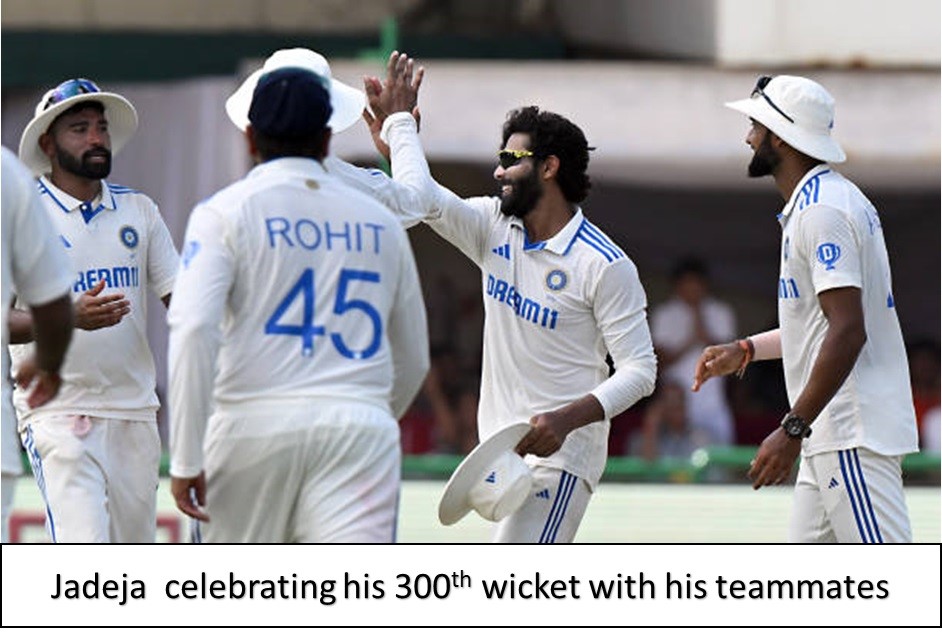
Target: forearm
(409,165)
(581,412)
(21,326)
(192,369)
(835,360)
(52,328)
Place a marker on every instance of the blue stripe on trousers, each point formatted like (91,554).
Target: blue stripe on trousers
(563,495)
(36,462)
(859,497)
(866,494)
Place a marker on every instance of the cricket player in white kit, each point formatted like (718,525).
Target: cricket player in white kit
(558,295)
(852,418)
(298,337)
(35,268)
(95,449)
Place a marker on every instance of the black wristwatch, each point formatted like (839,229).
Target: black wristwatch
(796,427)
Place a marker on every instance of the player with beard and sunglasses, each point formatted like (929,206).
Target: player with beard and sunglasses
(95,450)
(558,295)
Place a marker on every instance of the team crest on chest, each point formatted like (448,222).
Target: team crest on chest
(129,237)
(556,280)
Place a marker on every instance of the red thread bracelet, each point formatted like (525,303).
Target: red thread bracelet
(749,351)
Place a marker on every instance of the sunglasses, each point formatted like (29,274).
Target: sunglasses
(759,90)
(70,88)
(510,158)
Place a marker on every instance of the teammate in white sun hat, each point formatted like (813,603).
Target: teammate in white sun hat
(95,449)
(559,295)
(852,418)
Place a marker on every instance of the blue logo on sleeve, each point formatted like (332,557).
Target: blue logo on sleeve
(189,252)
(828,254)
(128,237)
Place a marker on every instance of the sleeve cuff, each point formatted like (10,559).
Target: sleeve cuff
(392,120)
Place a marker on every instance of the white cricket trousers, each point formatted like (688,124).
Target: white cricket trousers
(551,514)
(317,473)
(98,477)
(849,496)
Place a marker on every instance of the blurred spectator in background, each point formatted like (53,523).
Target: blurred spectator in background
(924,377)
(449,395)
(442,307)
(665,431)
(681,327)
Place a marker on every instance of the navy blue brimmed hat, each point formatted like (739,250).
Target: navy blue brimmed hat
(290,102)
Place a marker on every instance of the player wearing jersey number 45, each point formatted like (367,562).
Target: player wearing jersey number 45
(297,336)
(852,416)
(558,293)
(95,449)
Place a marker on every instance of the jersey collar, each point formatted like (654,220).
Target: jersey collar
(300,166)
(68,203)
(817,170)
(558,244)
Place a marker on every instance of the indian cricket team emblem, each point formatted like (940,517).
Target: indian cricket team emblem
(556,280)
(828,254)
(129,237)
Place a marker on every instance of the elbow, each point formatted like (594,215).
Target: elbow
(853,336)
(650,380)
(650,375)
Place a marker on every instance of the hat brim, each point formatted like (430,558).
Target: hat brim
(456,499)
(347,103)
(122,124)
(821,147)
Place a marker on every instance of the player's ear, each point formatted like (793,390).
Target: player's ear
(47,144)
(550,167)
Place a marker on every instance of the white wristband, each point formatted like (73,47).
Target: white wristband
(768,345)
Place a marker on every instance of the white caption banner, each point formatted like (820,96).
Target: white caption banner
(442,585)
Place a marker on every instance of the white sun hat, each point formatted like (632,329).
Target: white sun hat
(800,111)
(347,102)
(121,116)
(493,480)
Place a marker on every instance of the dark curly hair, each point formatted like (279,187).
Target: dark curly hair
(552,134)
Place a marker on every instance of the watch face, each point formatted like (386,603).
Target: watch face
(795,427)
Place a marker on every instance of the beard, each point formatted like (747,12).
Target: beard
(523,195)
(764,160)
(85,167)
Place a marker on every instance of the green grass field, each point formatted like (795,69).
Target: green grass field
(618,513)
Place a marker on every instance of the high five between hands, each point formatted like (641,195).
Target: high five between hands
(398,93)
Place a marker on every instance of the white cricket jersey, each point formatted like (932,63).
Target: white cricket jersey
(553,309)
(34,263)
(832,238)
(122,240)
(292,287)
